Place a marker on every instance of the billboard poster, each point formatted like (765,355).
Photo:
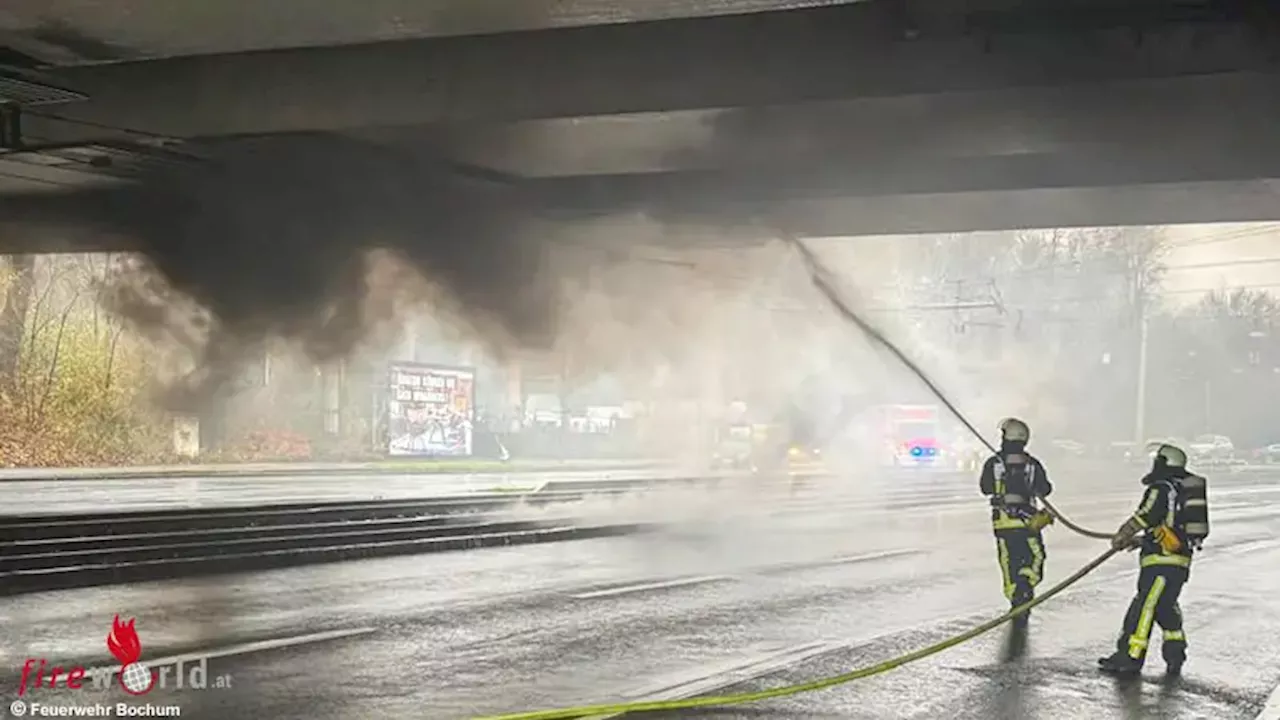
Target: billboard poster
(431,409)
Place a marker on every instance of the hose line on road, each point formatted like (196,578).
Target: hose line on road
(822,280)
(1077,529)
(587,711)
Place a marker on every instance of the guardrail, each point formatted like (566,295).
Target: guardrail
(78,495)
(387,467)
(50,552)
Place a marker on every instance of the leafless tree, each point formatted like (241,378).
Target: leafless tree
(1218,374)
(19,289)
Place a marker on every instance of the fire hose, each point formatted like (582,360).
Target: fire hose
(821,278)
(588,711)
(822,282)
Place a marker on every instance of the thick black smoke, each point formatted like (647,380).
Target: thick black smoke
(272,239)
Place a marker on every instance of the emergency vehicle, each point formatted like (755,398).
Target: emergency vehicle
(911,435)
(790,443)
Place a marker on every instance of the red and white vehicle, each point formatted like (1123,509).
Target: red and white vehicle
(912,435)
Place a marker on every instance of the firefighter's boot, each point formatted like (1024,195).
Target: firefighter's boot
(1175,654)
(1023,595)
(1120,664)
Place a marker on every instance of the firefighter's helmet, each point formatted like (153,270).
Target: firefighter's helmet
(1014,430)
(1168,455)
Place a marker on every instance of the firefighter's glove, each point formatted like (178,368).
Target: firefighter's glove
(1041,520)
(1125,541)
(1126,538)
(1168,539)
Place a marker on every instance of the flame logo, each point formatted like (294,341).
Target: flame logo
(123,641)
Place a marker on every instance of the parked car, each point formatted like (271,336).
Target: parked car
(1268,455)
(1144,455)
(735,449)
(1068,448)
(1210,449)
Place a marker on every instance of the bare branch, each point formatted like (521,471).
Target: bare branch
(57,354)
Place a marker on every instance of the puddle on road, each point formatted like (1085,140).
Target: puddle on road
(1061,688)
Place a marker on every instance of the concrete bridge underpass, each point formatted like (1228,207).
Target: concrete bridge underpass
(879,116)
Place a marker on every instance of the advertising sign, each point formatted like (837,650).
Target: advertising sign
(431,410)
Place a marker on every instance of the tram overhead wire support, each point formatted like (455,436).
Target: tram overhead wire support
(21,89)
(10,127)
(24,89)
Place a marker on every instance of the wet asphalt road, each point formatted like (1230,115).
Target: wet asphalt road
(776,588)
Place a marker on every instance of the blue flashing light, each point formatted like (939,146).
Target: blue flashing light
(917,451)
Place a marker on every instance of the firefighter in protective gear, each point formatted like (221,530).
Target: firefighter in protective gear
(1014,481)
(1168,535)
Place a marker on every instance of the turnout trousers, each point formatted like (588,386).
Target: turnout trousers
(1156,603)
(1021,555)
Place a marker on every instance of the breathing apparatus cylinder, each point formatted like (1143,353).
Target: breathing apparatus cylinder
(1194,507)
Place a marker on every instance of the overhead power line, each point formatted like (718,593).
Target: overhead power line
(1225,263)
(1048,303)
(1226,288)
(1244,233)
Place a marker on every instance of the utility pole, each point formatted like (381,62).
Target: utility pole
(1208,405)
(958,319)
(1053,288)
(1140,315)
(1140,412)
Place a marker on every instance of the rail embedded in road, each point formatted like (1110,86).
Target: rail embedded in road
(42,552)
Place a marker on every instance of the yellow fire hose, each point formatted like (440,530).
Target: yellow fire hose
(823,283)
(1072,526)
(587,711)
